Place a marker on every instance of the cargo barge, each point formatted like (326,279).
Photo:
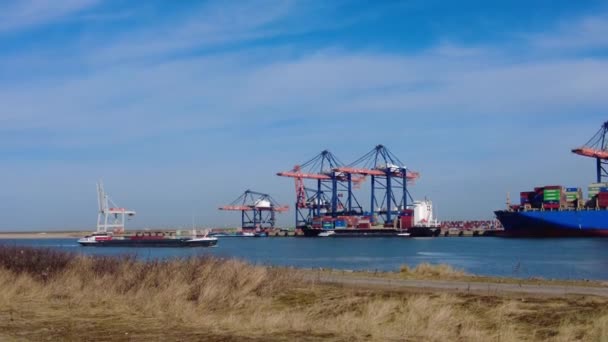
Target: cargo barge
(146,239)
(557,211)
(111,230)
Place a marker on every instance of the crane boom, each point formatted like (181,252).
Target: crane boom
(303,175)
(597,147)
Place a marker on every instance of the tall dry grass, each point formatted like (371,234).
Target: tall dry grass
(429,271)
(49,295)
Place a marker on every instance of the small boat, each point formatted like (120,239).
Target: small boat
(403,234)
(327,233)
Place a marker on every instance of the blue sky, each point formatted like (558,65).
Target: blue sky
(181,106)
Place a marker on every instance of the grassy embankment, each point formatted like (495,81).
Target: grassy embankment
(426,271)
(49,295)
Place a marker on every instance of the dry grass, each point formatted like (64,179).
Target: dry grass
(50,296)
(429,271)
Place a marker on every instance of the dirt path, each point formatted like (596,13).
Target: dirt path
(462,286)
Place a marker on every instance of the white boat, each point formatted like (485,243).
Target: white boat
(326,234)
(208,241)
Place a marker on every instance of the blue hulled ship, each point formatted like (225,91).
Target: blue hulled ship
(557,211)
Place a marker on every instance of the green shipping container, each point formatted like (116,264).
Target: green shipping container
(551,199)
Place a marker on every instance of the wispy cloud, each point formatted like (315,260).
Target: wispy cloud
(213,24)
(587,33)
(21,14)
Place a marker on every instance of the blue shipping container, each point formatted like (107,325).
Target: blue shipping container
(572,190)
(340,224)
(328,225)
(603,189)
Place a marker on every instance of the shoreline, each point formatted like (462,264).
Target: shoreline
(221,299)
(386,278)
(42,235)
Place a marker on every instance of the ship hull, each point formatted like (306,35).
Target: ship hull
(150,243)
(374,232)
(574,223)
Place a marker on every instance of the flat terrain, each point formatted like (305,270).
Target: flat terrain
(50,296)
(43,235)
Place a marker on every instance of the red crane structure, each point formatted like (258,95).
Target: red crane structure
(597,147)
(257,210)
(325,198)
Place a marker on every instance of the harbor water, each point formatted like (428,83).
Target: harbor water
(584,258)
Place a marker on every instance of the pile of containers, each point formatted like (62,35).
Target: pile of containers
(340,222)
(596,188)
(407,218)
(556,197)
(574,197)
(553,197)
(598,195)
(526,198)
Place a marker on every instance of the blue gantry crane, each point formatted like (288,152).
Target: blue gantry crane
(325,196)
(257,210)
(332,192)
(389,180)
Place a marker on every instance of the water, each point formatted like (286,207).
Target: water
(524,258)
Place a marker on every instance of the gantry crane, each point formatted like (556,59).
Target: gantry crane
(257,210)
(597,147)
(110,218)
(387,173)
(311,202)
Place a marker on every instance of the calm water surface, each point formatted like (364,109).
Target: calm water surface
(547,258)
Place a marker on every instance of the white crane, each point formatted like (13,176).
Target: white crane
(110,218)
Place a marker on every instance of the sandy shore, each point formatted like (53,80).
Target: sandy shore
(42,235)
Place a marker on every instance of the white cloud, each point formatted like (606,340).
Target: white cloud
(15,15)
(215,23)
(220,90)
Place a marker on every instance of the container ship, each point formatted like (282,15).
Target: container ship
(558,211)
(111,230)
(416,222)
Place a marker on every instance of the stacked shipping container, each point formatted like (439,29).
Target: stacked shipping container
(598,195)
(574,197)
(556,197)
(553,197)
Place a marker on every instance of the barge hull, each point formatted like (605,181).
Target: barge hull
(374,232)
(150,243)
